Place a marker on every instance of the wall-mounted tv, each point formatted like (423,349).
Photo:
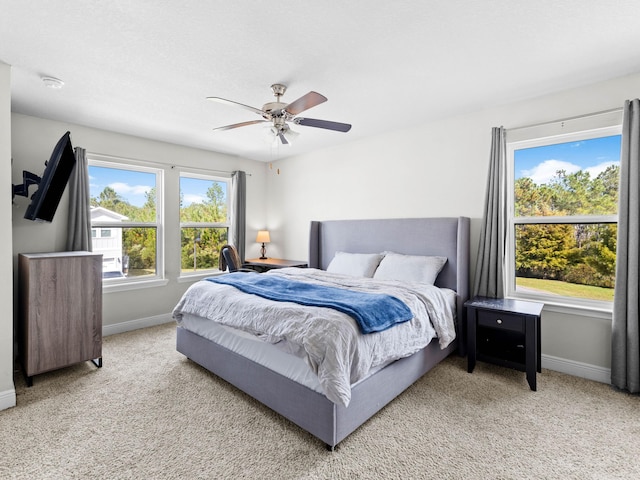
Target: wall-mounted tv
(44,202)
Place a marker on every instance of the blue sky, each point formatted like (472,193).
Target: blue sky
(132,186)
(194,190)
(593,155)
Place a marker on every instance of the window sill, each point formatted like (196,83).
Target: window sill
(194,277)
(126,286)
(600,310)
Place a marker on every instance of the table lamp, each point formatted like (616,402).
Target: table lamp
(263,237)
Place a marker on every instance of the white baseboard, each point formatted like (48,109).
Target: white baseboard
(136,324)
(8,399)
(562,365)
(577,369)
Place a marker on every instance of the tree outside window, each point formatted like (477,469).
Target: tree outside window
(204,220)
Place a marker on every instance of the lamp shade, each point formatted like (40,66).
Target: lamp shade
(263,236)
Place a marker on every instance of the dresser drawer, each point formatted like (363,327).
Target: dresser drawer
(500,320)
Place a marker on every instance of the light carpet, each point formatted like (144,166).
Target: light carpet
(150,413)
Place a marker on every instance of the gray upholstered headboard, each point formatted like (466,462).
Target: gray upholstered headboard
(448,237)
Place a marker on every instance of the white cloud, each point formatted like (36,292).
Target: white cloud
(598,169)
(546,170)
(125,189)
(190,198)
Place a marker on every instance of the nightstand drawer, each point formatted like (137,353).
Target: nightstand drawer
(500,320)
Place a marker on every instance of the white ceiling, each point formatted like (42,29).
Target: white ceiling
(144,67)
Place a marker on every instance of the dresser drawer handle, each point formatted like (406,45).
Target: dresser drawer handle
(499,321)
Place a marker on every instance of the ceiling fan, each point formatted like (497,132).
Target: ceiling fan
(279,113)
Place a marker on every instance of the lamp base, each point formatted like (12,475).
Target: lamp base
(263,252)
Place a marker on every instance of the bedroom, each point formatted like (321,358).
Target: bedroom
(403,172)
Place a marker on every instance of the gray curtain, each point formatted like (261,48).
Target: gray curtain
(489,273)
(625,335)
(79,225)
(238,212)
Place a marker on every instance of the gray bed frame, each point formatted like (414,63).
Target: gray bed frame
(308,409)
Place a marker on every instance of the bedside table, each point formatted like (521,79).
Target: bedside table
(505,332)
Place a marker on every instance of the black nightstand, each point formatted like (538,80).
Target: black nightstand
(504,332)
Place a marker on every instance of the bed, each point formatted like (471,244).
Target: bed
(301,402)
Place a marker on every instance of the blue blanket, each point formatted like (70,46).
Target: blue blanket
(373,312)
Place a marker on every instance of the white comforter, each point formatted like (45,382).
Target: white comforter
(329,340)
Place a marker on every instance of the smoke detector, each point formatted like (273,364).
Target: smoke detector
(52,82)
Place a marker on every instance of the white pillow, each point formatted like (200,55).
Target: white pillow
(355,264)
(410,268)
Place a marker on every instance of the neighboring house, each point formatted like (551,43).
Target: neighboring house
(108,242)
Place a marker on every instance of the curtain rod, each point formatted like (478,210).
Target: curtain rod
(577,117)
(159,164)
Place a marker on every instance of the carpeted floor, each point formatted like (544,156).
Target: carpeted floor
(150,413)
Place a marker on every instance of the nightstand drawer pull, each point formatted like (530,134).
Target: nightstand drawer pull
(501,320)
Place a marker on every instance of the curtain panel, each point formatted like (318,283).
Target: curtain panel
(238,212)
(79,223)
(489,272)
(625,334)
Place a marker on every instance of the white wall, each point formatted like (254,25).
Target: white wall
(436,169)
(7,389)
(33,140)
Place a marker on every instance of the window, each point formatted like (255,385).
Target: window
(126,219)
(563,201)
(204,221)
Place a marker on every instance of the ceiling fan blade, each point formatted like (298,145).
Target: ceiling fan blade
(282,139)
(313,122)
(236,125)
(305,102)
(231,102)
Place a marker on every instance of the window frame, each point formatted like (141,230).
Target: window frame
(542,135)
(128,283)
(188,173)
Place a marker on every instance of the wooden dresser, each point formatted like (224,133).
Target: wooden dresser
(60,310)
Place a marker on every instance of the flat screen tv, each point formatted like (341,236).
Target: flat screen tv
(51,185)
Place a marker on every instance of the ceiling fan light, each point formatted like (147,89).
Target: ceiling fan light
(270,135)
(290,135)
